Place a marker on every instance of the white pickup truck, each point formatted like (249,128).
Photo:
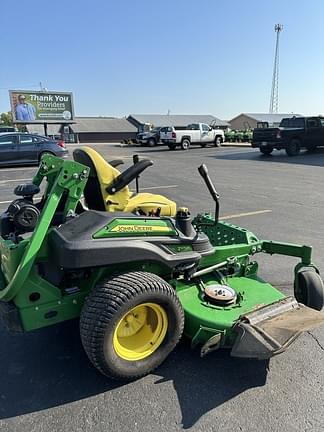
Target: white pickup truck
(196,133)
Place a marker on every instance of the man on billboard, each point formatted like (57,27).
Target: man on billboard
(25,111)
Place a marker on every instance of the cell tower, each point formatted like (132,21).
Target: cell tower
(274,99)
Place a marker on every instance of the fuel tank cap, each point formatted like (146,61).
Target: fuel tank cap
(220,294)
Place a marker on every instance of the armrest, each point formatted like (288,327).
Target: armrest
(116,162)
(127,176)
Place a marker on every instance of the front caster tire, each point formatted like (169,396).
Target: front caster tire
(309,288)
(130,323)
(293,147)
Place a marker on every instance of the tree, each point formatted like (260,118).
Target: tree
(6,119)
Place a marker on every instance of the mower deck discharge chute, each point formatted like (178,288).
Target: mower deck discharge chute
(138,280)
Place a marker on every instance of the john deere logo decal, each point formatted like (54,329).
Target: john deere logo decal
(132,227)
(139,228)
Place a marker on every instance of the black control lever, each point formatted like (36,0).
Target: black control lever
(203,171)
(135,161)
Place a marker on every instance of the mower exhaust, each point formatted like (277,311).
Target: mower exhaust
(270,330)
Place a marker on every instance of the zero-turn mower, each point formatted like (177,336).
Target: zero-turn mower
(138,282)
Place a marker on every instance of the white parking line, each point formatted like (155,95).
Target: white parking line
(7,202)
(158,187)
(16,180)
(34,168)
(233,216)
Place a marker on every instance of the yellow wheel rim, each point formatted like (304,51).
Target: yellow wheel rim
(140,332)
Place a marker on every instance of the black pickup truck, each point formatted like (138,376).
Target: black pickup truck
(292,135)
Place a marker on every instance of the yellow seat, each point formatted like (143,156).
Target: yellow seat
(106,188)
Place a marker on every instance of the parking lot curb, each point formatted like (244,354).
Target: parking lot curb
(228,144)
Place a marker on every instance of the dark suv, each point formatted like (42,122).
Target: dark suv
(293,134)
(23,148)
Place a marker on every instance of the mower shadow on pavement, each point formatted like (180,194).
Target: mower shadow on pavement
(48,368)
(315,158)
(204,384)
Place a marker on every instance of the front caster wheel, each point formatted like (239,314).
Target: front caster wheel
(309,288)
(130,323)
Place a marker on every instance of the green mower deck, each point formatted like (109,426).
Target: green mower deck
(139,282)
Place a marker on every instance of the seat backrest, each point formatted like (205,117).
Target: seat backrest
(101,175)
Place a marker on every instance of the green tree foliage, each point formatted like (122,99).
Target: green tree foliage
(6,119)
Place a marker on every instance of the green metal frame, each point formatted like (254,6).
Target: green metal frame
(20,278)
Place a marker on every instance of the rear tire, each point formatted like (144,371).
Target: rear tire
(218,141)
(151,142)
(203,145)
(266,150)
(130,323)
(172,146)
(293,147)
(185,144)
(309,288)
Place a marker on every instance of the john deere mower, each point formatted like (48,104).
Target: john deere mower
(137,281)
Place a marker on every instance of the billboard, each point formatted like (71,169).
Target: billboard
(41,107)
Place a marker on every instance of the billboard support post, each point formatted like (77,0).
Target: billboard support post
(45,129)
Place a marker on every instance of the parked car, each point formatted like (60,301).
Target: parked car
(25,149)
(293,134)
(196,133)
(7,129)
(150,138)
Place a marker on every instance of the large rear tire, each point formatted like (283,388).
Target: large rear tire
(130,323)
(293,147)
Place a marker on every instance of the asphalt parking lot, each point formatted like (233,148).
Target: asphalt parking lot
(48,384)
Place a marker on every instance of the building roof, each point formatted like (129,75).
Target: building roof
(102,124)
(52,129)
(263,117)
(176,119)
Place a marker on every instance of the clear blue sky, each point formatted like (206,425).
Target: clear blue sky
(148,56)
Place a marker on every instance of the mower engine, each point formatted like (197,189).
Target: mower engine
(22,214)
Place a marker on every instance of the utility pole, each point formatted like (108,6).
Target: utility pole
(274,98)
